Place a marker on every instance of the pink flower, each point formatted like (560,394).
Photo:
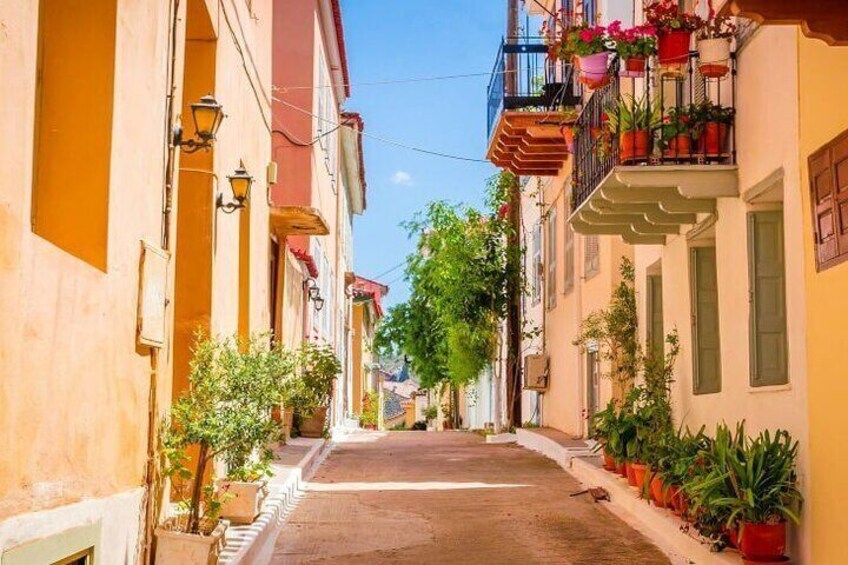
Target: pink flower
(615,26)
(586,35)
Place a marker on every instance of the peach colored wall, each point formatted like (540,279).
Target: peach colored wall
(73,385)
(564,404)
(765,145)
(823,77)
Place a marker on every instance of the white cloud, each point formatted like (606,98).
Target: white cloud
(401,178)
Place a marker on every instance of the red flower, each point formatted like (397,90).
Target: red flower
(586,35)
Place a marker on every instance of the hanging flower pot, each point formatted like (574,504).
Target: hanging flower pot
(761,542)
(634,145)
(593,69)
(713,140)
(714,57)
(635,66)
(673,52)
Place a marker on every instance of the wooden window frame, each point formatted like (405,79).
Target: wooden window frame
(550,259)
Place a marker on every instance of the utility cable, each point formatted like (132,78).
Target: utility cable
(393,269)
(382,139)
(392,81)
(299,143)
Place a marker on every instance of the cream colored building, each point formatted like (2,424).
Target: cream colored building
(97,202)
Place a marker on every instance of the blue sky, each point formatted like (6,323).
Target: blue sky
(400,39)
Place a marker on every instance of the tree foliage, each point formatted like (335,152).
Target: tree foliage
(458,280)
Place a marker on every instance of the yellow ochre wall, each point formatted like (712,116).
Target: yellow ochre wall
(823,80)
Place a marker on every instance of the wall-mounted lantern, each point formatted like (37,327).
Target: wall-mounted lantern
(313,293)
(207,115)
(240,182)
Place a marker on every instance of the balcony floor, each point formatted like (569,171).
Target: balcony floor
(644,204)
(529,143)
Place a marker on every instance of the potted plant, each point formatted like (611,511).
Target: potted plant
(633,45)
(758,480)
(370,410)
(204,422)
(604,424)
(711,127)
(430,414)
(315,368)
(713,42)
(677,133)
(258,374)
(674,34)
(588,46)
(632,120)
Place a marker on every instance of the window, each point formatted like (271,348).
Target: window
(73,126)
(767,280)
(591,256)
(829,198)
(706,354)
(536,265)
(568,259)
(589,10)
(550,259)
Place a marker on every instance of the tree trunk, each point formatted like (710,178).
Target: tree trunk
(197,490)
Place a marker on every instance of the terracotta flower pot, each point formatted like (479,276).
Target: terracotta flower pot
(621,469)
(634,67)
(593,69)
(634,145)
(631,474)
(568,135)
(762,541)
(313,426)
(245,500)
(714,57)
(179,548)
(660,494)
(640,471)
(679,146)
(673,52)
(713,140)
(779,561)
(609,461)
(732,536)
(673,498)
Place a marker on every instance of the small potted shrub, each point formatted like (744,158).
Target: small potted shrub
(674,34)
(588,46)
(315,371)
(677,133)
(430,415)
(632,120)
(711,126)
(713,42)
(603,426)
(370,410)
(634,46)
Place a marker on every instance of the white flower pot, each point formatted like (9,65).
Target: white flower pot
(714,57)
(179,548)
(244,502)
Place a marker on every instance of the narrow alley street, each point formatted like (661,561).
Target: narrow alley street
(408,497)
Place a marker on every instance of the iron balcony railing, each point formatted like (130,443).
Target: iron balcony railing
(672,106)
(533,82)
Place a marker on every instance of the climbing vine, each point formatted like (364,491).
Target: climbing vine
(458,280)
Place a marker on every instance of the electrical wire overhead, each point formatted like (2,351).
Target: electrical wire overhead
(279,88)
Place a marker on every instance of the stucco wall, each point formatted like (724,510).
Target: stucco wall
(823,76)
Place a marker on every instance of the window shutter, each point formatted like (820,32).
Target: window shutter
(591,260)
(550,281)
(828,168)
(768,341)
(568,258)
(705,321)
(656,331)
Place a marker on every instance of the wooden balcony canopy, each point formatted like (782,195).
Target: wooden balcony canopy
(821,19)
(530,143)
(297,220)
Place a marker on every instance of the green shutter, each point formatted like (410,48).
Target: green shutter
(767,280)
(656,331)
(705,322)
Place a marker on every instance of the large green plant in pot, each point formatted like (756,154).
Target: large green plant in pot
(310,391)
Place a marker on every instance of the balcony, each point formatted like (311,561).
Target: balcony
(645,185)
(525,120)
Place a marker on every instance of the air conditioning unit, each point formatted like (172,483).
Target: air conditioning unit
(536,372)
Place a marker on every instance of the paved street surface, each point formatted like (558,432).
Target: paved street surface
(449,498)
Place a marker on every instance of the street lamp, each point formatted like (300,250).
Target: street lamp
(240,182)
(313,293)
(207,115)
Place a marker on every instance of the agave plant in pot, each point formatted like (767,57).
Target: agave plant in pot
(315,370)
(674,29)
(677,132)
(632,120)
(758,480)
(634,46)
(714,38)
